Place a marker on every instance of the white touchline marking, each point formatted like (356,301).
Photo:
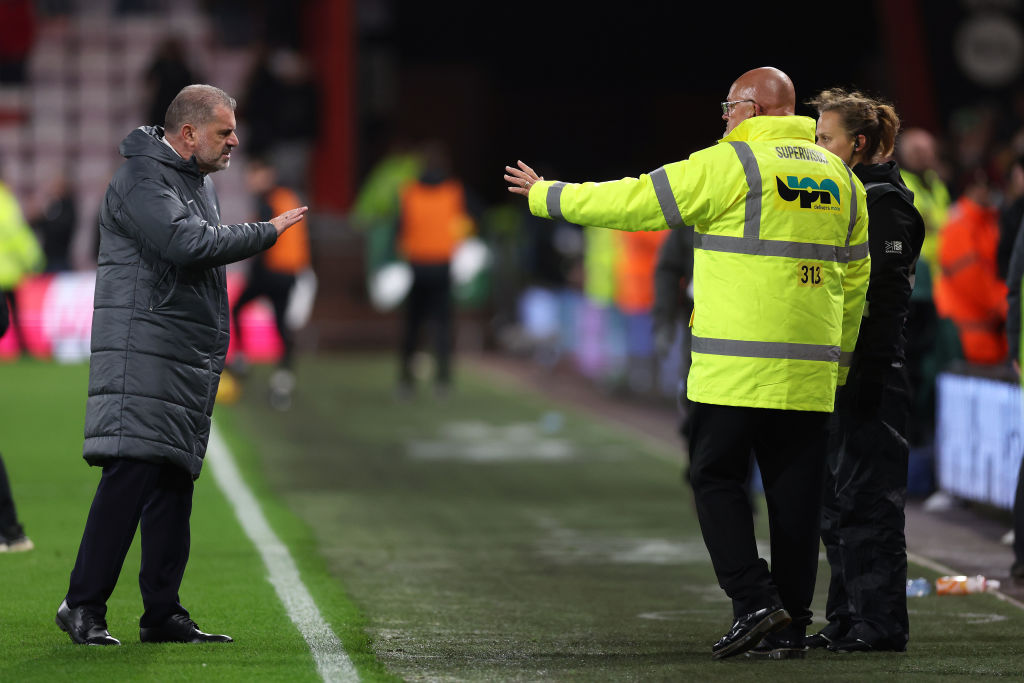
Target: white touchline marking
(332,662)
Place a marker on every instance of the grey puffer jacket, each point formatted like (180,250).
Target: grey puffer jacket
(160,318)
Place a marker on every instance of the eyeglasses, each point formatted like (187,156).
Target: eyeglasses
(727,107)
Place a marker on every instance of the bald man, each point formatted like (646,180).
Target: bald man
(780,272)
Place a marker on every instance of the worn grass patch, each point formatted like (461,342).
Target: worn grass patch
(498,535)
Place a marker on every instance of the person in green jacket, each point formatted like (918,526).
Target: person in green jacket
(20,255)
(781,267)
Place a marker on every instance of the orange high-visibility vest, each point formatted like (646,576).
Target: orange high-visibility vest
(968,289)
(290,254)
(434,221)
(635,270)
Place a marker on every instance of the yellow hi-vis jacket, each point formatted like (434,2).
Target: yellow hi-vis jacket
(780,265)
(20,253)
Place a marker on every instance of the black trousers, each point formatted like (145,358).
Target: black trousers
(277,287)
(430,300)
(862,522)
(130,492)
(15,320)
(8,515)
(790,450)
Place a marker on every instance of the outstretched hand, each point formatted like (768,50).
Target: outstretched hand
(521,179)
(288,219)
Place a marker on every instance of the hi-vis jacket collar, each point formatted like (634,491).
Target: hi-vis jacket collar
(772,127)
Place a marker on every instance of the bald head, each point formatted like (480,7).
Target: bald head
(771,88)
(764,91)
(916,150)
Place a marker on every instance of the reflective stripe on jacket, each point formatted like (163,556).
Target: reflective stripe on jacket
(781,259)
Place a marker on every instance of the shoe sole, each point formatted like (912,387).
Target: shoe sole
(770,624)
(819,646)
(778,653)
(866,651)
(186,642)
(153,635)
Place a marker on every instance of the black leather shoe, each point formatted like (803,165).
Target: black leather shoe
(179,629)
(851,645)
(84,626)
(854,642)
(748,631)
(773,646)
(817,641)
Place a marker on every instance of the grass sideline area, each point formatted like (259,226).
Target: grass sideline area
(225,586)
(496,535)
(500,535)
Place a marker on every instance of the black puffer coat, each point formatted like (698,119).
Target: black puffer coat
(160,320)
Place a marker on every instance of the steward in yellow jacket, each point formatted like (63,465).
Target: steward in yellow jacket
(781,270)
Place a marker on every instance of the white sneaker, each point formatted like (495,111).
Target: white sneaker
(18,545)
(940,501)
(283,381)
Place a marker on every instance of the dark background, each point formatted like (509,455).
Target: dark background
(595,91)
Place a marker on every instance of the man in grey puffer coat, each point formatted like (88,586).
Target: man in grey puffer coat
(159,341)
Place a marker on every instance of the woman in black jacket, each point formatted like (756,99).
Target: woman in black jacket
(866,481)
(866,478)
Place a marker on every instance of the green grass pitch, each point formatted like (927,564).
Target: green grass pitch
(493,536)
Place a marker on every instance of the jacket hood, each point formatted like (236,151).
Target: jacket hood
(147,141)
(887,172)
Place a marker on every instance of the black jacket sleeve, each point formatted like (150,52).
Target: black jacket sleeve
(675,264)
(895,235)
(157,215)
(1014,274)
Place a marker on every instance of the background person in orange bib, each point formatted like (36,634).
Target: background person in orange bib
(432,223)
(272,274)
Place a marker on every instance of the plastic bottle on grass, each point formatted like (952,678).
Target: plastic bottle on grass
(918,588)
(962,585)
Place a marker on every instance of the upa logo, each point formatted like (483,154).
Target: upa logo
(816,194)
